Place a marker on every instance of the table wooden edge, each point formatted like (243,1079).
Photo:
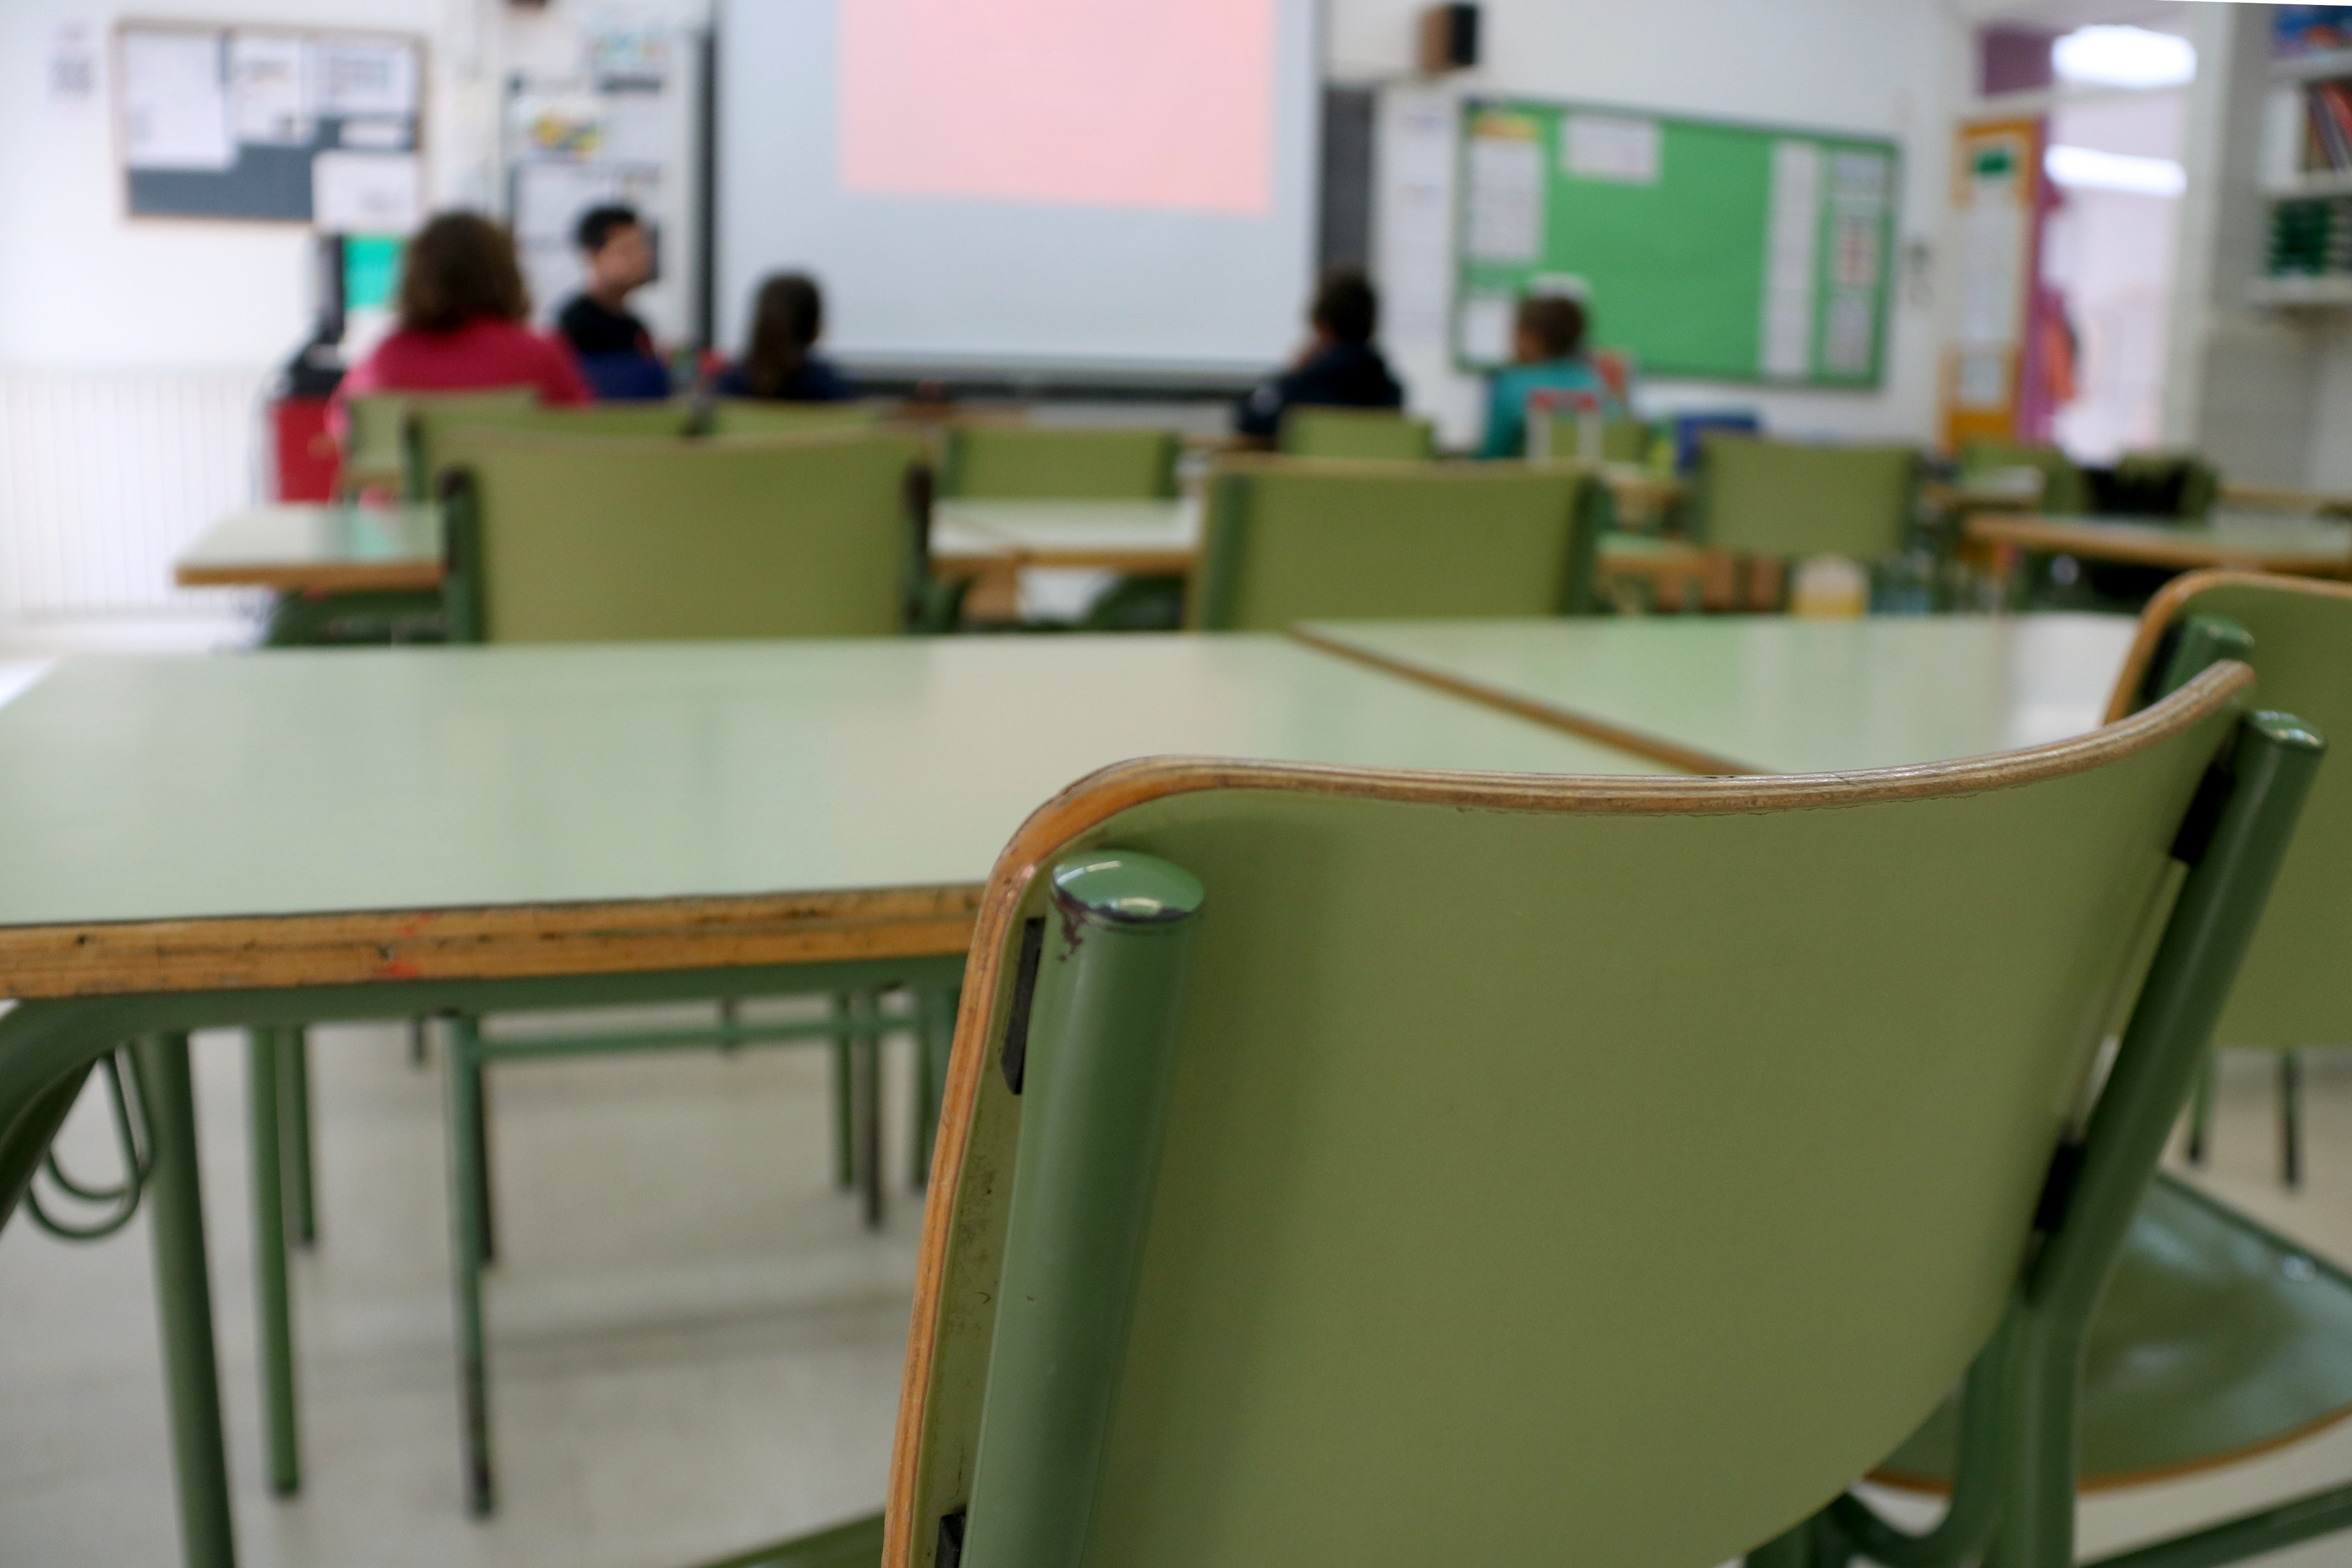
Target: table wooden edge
(2039,533)
(506,941)
(381,577)
(1584,727)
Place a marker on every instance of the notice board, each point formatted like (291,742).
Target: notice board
(1705,249)
(271,124)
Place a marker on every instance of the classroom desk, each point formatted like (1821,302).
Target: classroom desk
(2306,547)
(1769,693)
(331,548)
(266,842)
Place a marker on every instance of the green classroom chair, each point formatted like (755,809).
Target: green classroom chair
(1340,1166)
(1559,439)
(380,449)
(759,416)
(431,426)
(1786,500)
(2064,493)
(2297,633)
(2219,1340)
(1052,462)
(1365,434)
(565,539)
(557,538)
(1302,539)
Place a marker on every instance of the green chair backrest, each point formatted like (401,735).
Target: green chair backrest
(1559,436)
(565,539)
(2063,491)
(1498,1155)
(1360,433)
(1302,539)
(1787,499)
(759,416)
(2290,994)
(430,424)
(378,449)
(1043,461)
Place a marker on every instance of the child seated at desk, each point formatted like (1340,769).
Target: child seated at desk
(615,350)
(1338,368)
(1547,356)
(463,310)
(779,365)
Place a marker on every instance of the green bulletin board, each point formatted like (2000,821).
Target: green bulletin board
(1705,250)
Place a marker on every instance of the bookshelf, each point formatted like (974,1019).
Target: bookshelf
(2306,176)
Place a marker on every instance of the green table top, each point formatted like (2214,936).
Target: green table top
(337,546)
(2251,540)
(302,784)
(1055,528)
(1773,693)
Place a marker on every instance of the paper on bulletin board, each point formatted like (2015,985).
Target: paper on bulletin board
(174,103)
(1613,147)
(1792,259)
(266,99)
(365,192)
(1506,198)
(354,77)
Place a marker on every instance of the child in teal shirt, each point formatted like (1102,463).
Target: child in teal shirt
(1547,355)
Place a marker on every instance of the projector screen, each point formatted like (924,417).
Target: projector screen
(1025,185)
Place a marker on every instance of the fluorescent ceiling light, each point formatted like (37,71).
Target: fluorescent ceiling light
(2088,169)
(2125,57)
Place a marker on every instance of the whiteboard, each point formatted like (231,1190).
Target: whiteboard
(1028,186)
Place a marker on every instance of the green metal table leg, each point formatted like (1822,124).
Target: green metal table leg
(294,1081)
(2291,1118)
(934,1036)
(844,1115)
(273,1315)
(485,1195)
(184,1305)
(462,1076)
(867,1095)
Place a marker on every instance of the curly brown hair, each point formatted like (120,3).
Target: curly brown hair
(459,268)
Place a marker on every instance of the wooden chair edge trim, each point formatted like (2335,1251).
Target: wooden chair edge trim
(1111,791)
(1941,1486)
(483,943)
(1565,719)
(2165,608)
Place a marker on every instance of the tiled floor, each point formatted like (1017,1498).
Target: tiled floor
(695,1346)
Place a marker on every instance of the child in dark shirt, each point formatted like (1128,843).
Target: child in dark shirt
(615,350)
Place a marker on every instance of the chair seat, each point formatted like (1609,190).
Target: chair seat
(2217,1339)
(858,1544)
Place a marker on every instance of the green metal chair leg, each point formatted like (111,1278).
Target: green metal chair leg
(273,1313)
(294,1082)
(845,1115)
(462,1078)
(866,1095)
(485,1186)
(2291,1118)
(2200,1112)
(935,1013)
(184,1305)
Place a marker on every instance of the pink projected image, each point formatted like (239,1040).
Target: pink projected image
(1132,103)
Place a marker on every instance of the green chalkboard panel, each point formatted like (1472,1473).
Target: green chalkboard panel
(1704,250)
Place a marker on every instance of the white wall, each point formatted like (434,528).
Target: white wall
(81,286)
(1886,68)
